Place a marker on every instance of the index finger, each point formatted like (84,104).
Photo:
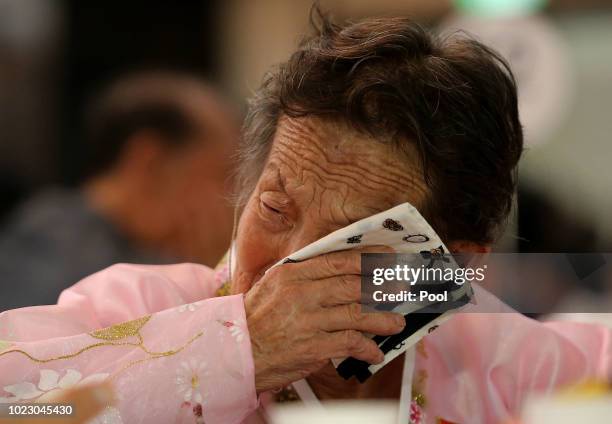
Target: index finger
(343,262)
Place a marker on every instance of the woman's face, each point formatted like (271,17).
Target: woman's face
(320,176)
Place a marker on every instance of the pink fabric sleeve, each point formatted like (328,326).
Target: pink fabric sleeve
(479,368)
(182,356)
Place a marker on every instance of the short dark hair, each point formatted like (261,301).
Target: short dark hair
(452,97)
(152,100)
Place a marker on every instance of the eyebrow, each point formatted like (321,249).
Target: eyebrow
(279,179)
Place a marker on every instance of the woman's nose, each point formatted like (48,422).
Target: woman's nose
(305,235)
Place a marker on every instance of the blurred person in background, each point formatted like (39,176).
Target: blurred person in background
(159,146)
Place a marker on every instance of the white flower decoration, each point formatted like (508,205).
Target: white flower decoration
(110,415)
(237,332)
(49,385)
(235,329)
(189,379)
(189,307)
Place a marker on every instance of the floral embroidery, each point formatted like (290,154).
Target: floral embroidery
(354,239)
(49,385)
(189,378)
(418,400)
(417,416)
(197,411)
(392,224)
(235,329)
(110,415)
(191,307)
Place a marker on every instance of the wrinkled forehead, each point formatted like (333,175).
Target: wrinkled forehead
(329,165)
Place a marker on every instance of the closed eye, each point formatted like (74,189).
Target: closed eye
(274,209)
(271,208)
(274,201)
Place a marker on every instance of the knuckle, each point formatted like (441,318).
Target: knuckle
(276,274)
(312,354)
(346,283)
(354,312)
(352,340)
(351,286)
(330,263)
(336,262)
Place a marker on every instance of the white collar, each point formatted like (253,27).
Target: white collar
(307,396)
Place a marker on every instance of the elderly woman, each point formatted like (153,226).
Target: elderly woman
(361,118)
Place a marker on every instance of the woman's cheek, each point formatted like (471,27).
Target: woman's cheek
(255,246)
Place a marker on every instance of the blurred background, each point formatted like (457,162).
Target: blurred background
(57,57)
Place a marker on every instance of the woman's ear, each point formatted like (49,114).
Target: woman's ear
(466,251)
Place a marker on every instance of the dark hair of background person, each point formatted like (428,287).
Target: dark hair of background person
(452,97)
(151,100)
(107,39)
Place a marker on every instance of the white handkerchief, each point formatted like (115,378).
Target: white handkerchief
(401,227)
(404,229)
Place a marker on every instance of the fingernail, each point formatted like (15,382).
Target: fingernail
(380,358)
(400,320)
(103,394)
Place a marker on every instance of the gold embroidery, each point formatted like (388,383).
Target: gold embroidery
(224,290)
(286,394)
(154,355)
(420,348)
(67,356)
(115,332)
(419,398)
(4,345)
(421,378)
(122,331)
(418,388)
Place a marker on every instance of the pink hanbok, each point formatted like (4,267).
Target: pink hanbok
(177,352)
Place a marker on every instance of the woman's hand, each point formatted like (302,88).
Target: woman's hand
(300,315)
